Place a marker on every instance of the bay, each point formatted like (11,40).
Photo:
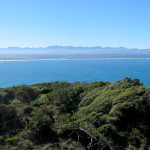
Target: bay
(37,71)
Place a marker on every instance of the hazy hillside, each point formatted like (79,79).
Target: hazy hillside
(70,52)
(75,116)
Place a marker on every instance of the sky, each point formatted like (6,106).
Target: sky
(106,23)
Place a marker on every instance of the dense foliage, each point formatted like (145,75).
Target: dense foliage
(61,115)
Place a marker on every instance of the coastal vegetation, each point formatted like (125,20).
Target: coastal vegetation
(75,116)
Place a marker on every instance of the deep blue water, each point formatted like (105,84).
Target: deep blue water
(29,72)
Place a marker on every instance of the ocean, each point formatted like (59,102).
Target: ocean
(37,71)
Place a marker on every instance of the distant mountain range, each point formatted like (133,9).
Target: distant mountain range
(70,52)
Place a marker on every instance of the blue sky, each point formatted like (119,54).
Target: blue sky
(113,23)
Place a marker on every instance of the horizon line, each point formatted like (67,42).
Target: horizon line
(74,47)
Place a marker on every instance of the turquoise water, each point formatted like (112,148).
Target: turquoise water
(29,72)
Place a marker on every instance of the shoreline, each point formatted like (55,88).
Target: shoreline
(1,60)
